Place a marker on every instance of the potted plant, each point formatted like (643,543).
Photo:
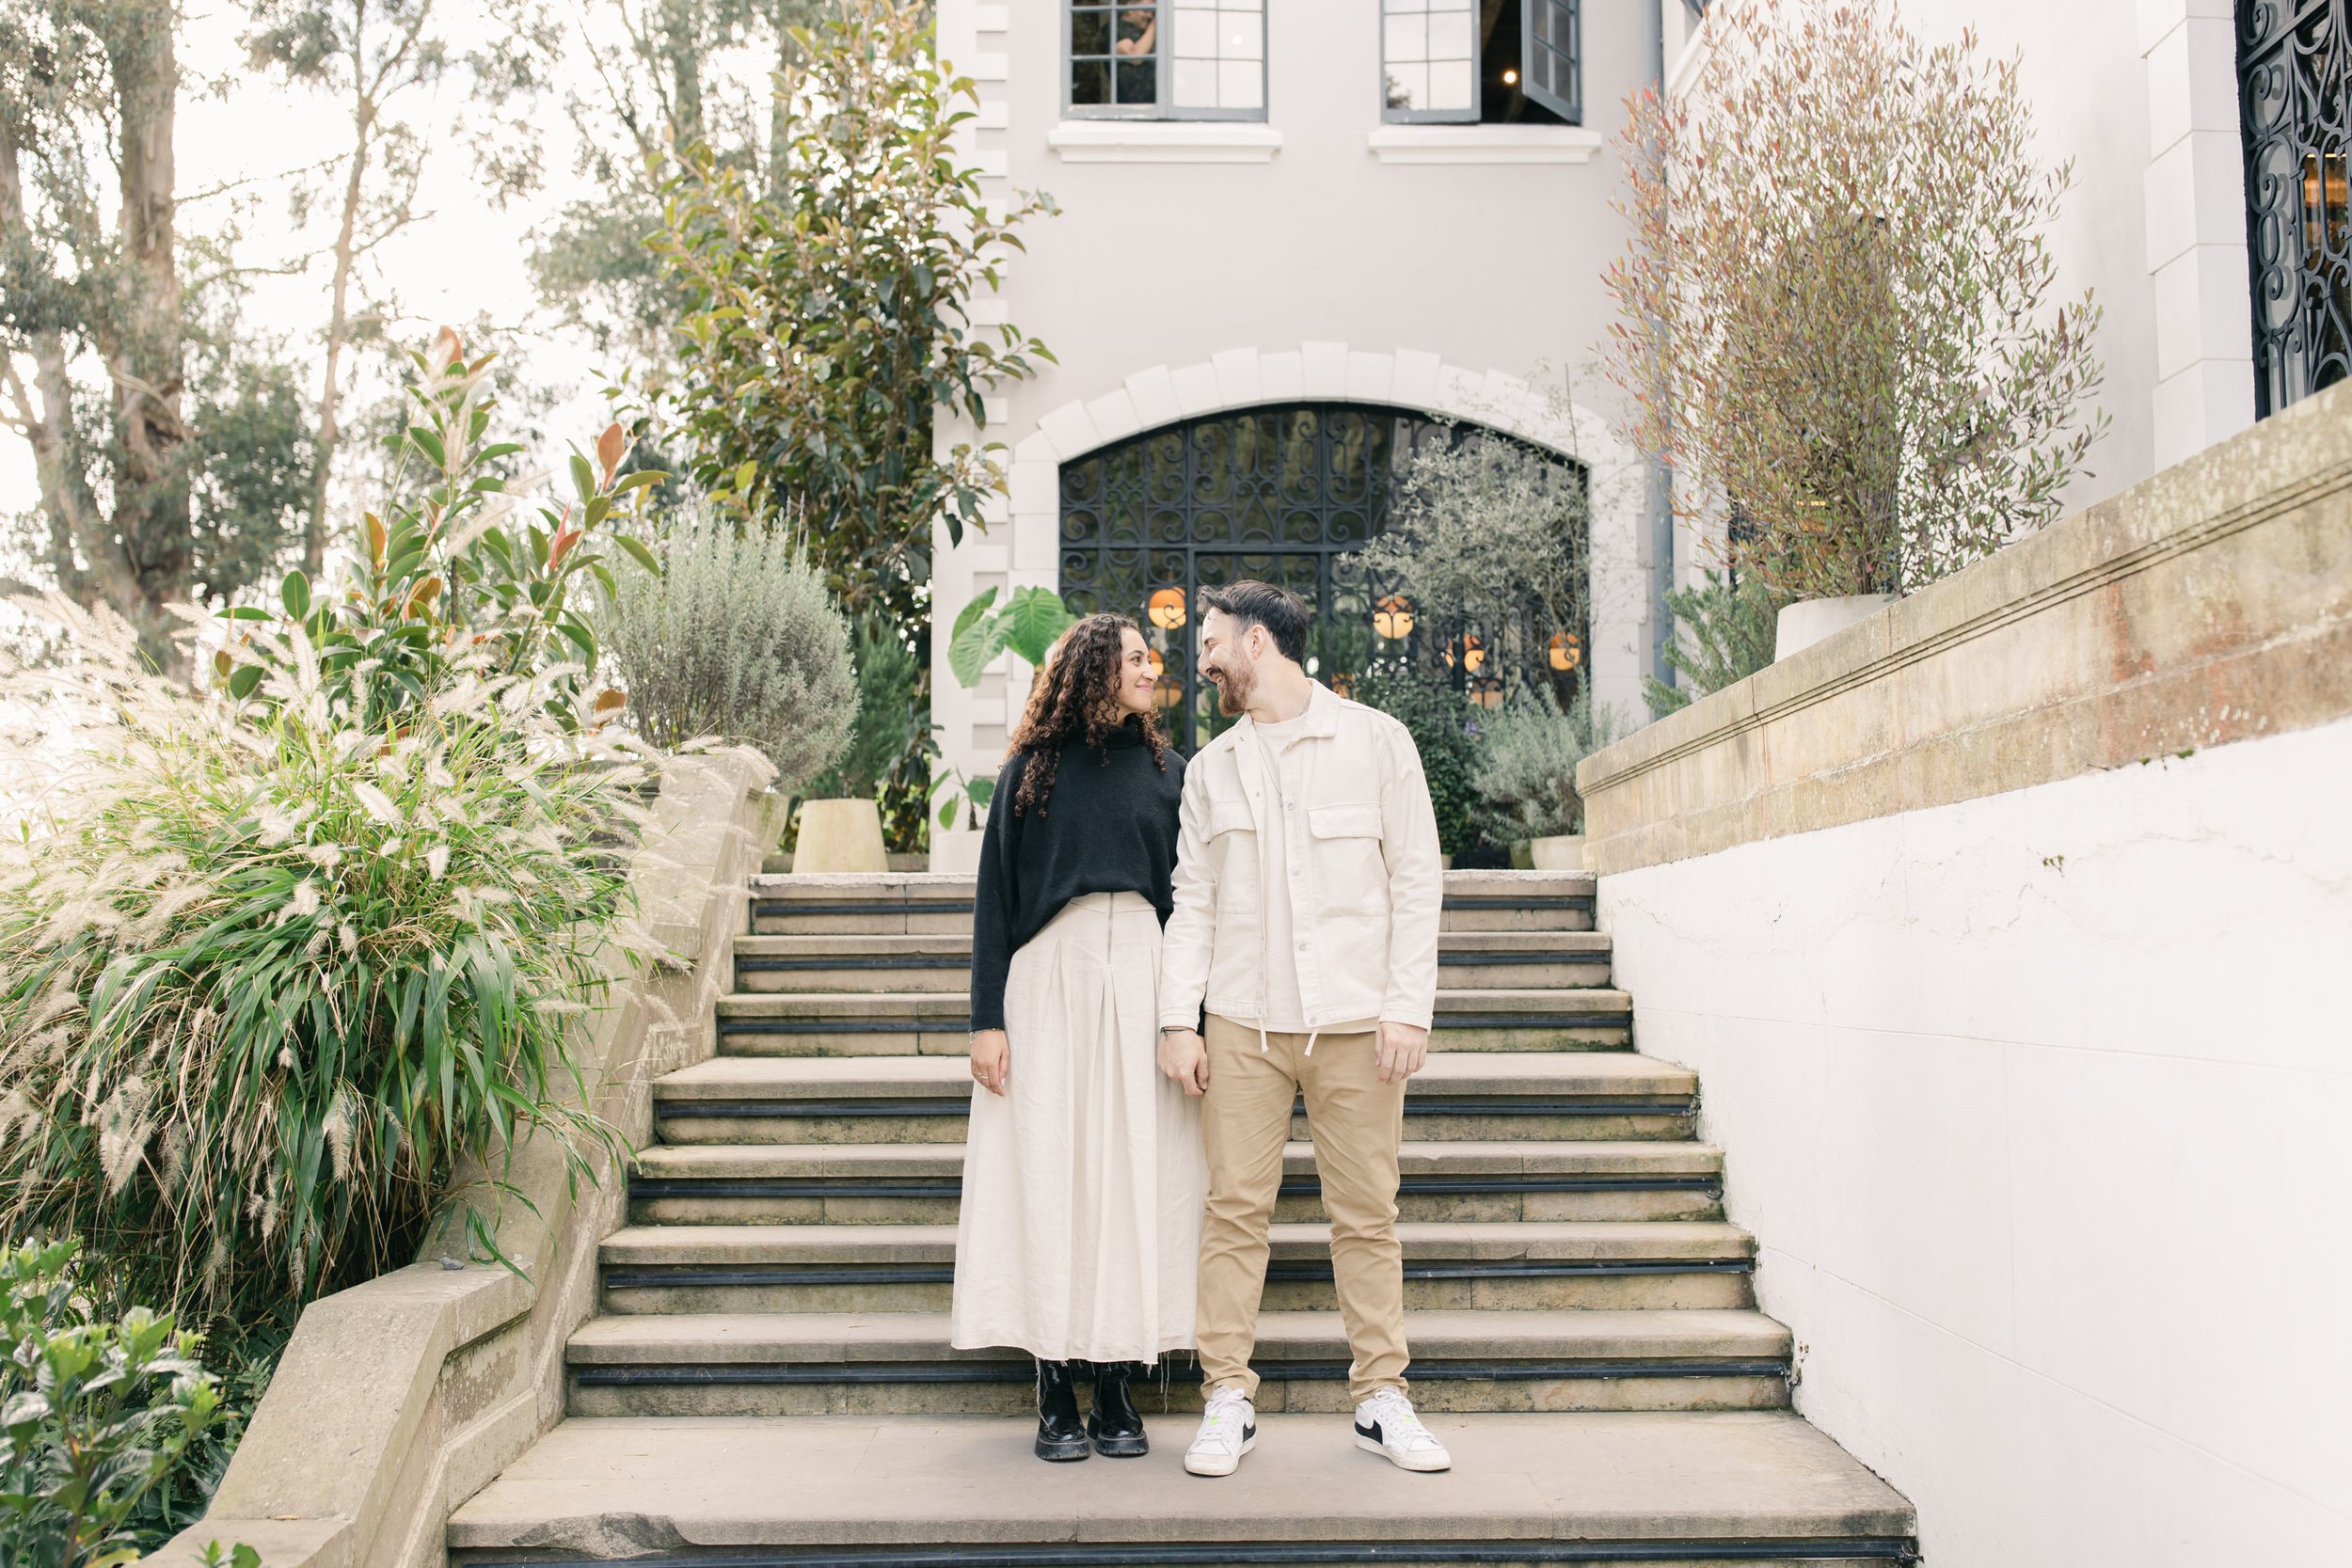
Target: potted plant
(725,632)
(1523,771)
(1838,325)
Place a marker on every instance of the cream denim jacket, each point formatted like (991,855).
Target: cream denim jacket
(1366,882)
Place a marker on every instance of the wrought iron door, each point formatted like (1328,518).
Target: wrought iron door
(1283,494)
(2294,83)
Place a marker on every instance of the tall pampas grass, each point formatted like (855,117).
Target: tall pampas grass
(270,973)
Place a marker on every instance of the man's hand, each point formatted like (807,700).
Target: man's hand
(1185,1057)
(1403,1051)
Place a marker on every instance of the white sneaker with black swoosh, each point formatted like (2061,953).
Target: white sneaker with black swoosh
(1385,1424)
(1228,1429)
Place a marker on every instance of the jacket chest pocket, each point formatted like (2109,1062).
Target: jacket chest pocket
(1351,875)
(1232,839)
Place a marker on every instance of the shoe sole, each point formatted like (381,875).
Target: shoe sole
(1062,1453)
(1224,1467)
(1422,1466)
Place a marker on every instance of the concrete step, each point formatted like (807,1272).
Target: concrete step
(1728,1490)
(942,962)
(921,1184)
(845,1364)
(1601,1096)
(1506,1268)
(921,904)
(864,1024)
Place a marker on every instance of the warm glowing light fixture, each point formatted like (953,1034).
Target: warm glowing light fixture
(1166,608)
(1567,651)
(1159,666)
(1510,78)
(1473,654)
(1392,616)
(1169,692)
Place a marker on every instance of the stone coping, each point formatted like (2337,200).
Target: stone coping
(2209,604)
(397,1400)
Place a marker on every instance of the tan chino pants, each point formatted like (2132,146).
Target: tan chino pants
(1357,1122)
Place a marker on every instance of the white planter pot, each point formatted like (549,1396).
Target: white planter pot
(1808,621)
(958,852)
(840,835)
(1561,852)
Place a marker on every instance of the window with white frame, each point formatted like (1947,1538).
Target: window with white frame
(1166,59)
(1468,61)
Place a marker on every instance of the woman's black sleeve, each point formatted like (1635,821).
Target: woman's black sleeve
(998,899)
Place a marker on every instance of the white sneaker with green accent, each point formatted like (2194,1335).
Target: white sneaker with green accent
(1228,1429)
(1385,1424)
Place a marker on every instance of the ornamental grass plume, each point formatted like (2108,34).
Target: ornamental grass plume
(269,975)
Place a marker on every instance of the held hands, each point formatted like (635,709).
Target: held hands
(1185,1057)
(1403,1051)
(991,1060)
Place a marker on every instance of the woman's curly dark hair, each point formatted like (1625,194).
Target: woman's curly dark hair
(1075,697)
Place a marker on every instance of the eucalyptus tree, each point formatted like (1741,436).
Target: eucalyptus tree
(167,443)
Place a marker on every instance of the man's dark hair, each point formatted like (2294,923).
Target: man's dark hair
(1283,613)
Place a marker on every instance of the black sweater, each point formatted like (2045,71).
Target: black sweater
(1108,826)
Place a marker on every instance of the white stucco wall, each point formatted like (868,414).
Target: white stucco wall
(1199,269)
(2035,1104)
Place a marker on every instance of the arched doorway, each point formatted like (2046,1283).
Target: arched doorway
(1285,493)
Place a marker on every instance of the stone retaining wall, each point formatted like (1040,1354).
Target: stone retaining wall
(2004,930)
(398,1399)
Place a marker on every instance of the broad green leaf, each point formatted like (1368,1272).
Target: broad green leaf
(1033,619)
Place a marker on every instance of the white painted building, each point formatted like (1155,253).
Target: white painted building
(1304,206)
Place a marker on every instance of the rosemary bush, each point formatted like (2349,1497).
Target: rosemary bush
(1724,632)
(1524,767)
(734,638)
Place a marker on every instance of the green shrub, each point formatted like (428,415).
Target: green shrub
(1441,722)
(98,1416)
(1524,772)
(734,638)
(277,958)
(889,716)
(1724,630)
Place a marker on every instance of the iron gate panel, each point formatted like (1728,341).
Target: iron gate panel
(2293,89)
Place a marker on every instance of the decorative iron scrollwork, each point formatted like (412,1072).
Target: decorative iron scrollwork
(2294,97)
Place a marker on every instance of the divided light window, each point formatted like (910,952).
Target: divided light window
(1468,61)
(1166,59)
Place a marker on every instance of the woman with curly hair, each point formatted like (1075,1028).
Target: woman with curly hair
(1083,1173)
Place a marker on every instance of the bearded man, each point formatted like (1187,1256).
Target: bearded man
(1306,894)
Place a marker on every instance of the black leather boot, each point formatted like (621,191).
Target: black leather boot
(1114,1423)
(1060,1435)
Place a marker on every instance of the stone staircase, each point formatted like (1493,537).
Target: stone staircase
(770,1380)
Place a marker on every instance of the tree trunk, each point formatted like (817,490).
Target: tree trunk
(338,325)
(151,520)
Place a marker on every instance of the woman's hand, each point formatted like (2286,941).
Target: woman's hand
(991,1060)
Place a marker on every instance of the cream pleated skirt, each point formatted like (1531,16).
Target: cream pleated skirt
(1080,1231)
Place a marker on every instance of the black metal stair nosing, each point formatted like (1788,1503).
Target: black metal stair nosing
(758,963)
(950,1186)
(1414,1106)
(764,908)
(801,1373)
(1577,902)
(654,1277)
(1901,1551)
(954,1023)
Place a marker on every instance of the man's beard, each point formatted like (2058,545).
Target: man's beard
(1235,685)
